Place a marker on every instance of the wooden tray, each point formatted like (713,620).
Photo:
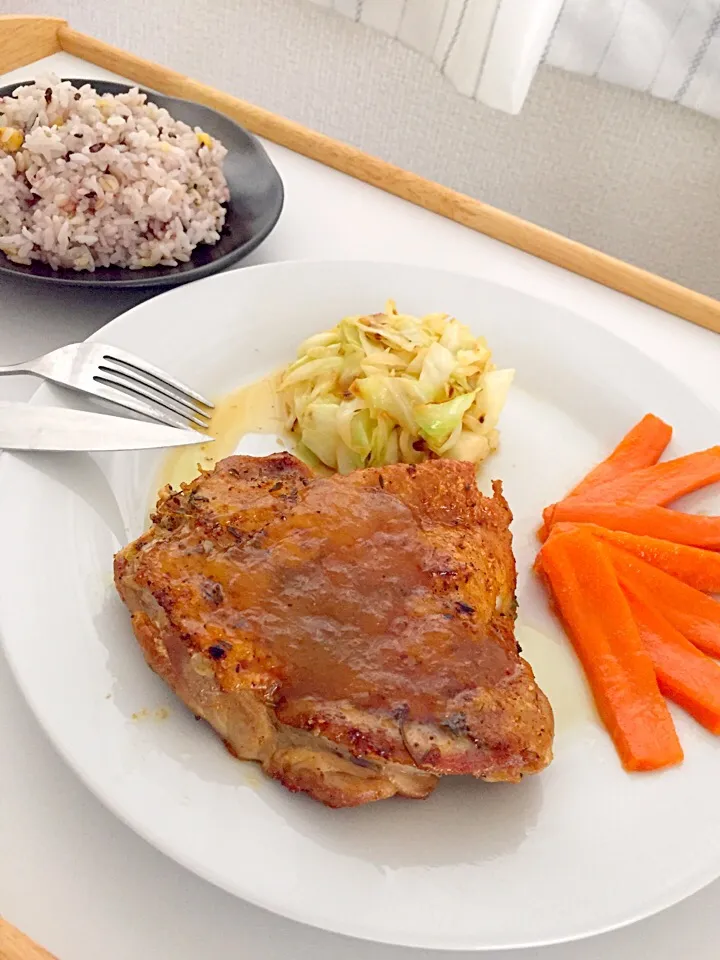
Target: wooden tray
(24,40)
(14,945)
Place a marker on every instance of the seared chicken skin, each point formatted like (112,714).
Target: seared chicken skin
(353,634)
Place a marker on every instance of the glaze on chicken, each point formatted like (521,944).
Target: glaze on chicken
(353,634)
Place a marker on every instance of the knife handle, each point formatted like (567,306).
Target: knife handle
(14,945)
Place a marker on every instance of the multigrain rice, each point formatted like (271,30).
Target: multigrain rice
(90,180)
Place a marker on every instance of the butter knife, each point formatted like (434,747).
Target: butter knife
(56,429)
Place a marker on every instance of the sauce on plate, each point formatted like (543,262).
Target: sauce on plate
(559,675)
(252,412)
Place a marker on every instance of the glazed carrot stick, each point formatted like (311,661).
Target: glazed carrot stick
(642,446)
(697,567)
(684,674)
(606,639)
(658,522)
(695,615)
(662,483)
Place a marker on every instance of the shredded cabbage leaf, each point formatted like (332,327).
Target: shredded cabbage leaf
(390,387)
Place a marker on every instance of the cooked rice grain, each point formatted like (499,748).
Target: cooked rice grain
(91,181)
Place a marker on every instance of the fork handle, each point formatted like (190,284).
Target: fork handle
(12,368)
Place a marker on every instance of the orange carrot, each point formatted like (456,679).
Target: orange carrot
(694,566)
(662,483)
(606,639)
(684,674)
(641,447)
(695,615)
(658,522)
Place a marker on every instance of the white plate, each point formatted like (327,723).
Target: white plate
(582,848)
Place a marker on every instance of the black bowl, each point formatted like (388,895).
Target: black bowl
(256,200)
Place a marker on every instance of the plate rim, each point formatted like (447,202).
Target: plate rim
(199,868)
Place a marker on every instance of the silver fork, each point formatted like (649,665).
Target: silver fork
(121,378)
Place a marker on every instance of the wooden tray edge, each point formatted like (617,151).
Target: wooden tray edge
(15,945)
(26,39)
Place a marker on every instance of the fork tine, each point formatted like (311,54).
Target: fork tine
(157,402)
(142,366)
(155,407)
(154,391)
(128,402)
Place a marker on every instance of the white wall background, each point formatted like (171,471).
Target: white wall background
(626,173)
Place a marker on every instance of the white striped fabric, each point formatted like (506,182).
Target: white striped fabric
(490,49)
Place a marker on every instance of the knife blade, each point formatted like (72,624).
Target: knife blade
(59,429)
